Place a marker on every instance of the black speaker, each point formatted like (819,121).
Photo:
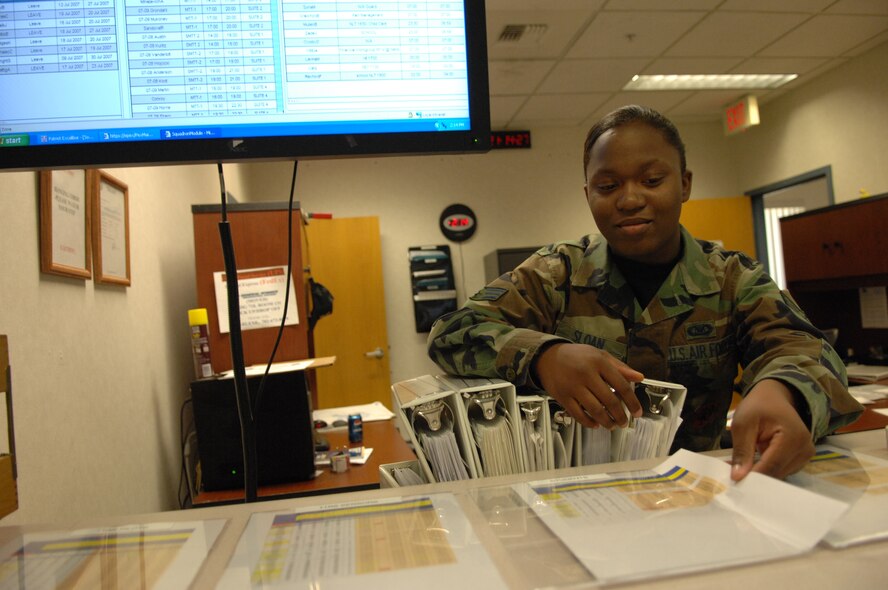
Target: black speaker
(284,431)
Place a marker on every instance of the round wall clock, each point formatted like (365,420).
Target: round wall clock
(458,223)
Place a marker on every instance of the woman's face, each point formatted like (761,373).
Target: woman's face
(635,189)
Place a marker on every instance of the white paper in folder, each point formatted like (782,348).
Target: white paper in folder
(422,542)
(617,524)
(861,479)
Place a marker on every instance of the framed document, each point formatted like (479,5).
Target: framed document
(110,228)
(64,223)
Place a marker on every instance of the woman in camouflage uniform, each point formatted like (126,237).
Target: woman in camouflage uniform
(581,320)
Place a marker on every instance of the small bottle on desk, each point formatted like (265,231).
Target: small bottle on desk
(355,430)
(200,342)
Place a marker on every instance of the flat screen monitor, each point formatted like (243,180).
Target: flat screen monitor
(89,83)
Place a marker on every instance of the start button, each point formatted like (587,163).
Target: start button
(12,140)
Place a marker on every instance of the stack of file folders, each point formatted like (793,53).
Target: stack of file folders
(466,428)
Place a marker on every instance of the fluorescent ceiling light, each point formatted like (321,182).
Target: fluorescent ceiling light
(708,81)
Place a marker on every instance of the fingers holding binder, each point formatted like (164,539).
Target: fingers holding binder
(590,384)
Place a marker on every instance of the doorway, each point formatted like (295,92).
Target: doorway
(345,255)
(772,202)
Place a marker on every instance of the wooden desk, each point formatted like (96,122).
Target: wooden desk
(388,447)
(869,420)
(529,555)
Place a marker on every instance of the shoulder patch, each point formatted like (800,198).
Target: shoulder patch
(489,294)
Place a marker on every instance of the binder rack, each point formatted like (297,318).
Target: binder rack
(485,399)
(447,401)
(425,402)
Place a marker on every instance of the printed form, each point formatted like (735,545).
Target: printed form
(424,542)
(861,479)
(685,515)
(159,555)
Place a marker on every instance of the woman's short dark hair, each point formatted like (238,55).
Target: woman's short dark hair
(634,113)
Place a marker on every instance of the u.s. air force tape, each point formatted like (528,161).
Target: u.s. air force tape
(489,294)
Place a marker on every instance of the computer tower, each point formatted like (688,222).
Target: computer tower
(284,431)
(501,261)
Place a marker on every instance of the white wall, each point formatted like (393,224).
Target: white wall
(99,372)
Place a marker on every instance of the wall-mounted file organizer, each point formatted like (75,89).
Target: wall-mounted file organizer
(431,279)
(536,432)
(492,414)
(649,436)
(432,416)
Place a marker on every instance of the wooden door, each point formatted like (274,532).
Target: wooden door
(345,255)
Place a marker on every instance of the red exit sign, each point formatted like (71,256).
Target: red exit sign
(741,115)
(509,139)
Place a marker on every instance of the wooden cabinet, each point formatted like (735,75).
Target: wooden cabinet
(828,254)
(259,233)
(844,241)
(8,488)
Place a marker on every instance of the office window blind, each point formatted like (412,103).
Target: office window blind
(775,243)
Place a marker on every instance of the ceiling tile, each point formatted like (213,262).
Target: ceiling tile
(585,51)
(633,34)
(548,5)
(660,5)
(591,75)
(562,26)
(826,36)
(517,77)
(708,103)
(563,109)
(660,101)
(767,97)
(503,109)
(859,7)
(828,64)
(692,65)
(779,65)
(871,44)
(734,34)
(806,6)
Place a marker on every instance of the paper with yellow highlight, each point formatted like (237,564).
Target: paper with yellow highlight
(684,515)
(860,479)
(423,541)
(156,555)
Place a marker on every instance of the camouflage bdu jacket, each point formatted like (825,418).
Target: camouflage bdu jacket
(717,309)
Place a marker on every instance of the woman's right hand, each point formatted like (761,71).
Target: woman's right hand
(589,383)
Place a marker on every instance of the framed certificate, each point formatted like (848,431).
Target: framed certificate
(110,228)
(64,223)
